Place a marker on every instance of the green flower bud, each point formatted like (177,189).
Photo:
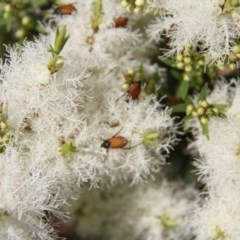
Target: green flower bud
(139,3)
(149,137)
(189,109)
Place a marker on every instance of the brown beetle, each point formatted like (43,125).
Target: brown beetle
(66,9)
(114,142)
(120,22)
(134,91)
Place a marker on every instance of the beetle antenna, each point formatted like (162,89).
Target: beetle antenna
(120,96)
(118,132)
(132,146)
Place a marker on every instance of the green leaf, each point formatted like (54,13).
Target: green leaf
(188,100)
(167,61)
(222,115)
(155,76)
(2,22)
(141,72)
(205,130)
(97,17)
(185,122)
(55,64)
(38,3)
(220,107)
(52,50)
(176,74)
(183,90)
(60,39)
(179,108)
(9,23)
(203,93)
(39,27)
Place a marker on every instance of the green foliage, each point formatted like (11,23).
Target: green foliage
(60,39)
(56,61)
(138,6)
(67,148)
(188,74)
(230,5)
(97,15)
(150,81)
(190,71)
(183,89)
(22,19)
(202,111)
(203,93)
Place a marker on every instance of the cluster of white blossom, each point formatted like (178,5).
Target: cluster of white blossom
(218,167)
(160,210)
(212,26)
(68,124)
(57,121)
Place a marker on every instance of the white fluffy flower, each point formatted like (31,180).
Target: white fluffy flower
(57,122)
(218,218)
(221,150)
(130,120)
(154,211)
(29,195)
(218,167)
(108,46)
(204,24)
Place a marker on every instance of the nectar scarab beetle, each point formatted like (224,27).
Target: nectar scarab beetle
(66,9)
(120,22)
(134,91)
(114,142)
